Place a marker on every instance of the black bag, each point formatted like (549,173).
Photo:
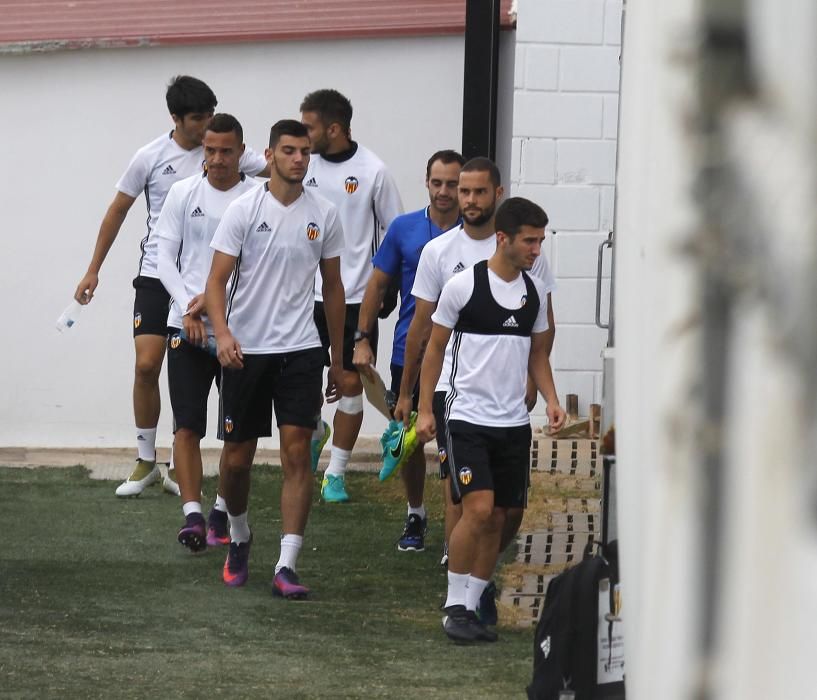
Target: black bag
(578,644)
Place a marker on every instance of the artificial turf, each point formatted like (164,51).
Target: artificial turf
(98,599)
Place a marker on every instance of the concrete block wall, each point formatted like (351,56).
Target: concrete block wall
(565,119)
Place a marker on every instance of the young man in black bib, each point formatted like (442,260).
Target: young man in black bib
(497,314)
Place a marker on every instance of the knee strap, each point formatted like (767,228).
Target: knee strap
(351,404)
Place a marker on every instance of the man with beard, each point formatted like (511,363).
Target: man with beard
(478,191)
(357,182)
(397,258)
(270,243)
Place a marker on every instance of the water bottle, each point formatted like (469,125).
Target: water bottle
(212,346)
(69,317)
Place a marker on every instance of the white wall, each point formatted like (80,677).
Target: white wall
(72,120)
(564,146)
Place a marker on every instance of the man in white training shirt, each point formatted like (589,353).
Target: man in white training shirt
(153,170)
(498,316)
(358,183)
(269,245)
(478,191)
(191,213)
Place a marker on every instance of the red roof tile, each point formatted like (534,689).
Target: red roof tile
(50,25)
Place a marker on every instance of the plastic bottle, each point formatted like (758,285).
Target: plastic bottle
(69,317)
(212,346)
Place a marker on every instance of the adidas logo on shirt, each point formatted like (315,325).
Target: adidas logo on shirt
(311,182)
(168,170)
(459,267)
(196,212)
(510,323)
(263,228)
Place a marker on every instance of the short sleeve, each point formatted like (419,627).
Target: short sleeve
(388,257)
(454,296)
(135,177)
(251,162)
(229,236)
(169,226)
(427,284)
(387,203)
(333,242)
(540,323)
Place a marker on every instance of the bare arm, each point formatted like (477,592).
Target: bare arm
(418,335)
(539,369)
(372,299)
(550,335)
(108,230)
(334,306)
(215,299)
(432,366)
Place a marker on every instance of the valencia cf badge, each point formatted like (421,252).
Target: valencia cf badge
(175,341)
(228,425)
(351,184)
(523,301)
(137,320)
(443,455)
(465,476)
(312,231)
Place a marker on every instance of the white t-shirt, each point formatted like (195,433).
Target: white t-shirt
(452,253)
(270,297)
(367,198)
(154,169)
(488,374)
(189,218)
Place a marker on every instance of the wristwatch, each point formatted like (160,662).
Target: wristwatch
(360,335)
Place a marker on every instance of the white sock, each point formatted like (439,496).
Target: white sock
(191,507)
(421,511)
(457,589)
(239,529)
(290,548)
(474,592)
(318,432)
(146,443)
(338,462)
(220,504)
(172,464)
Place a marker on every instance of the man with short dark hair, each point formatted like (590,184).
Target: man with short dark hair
(153,170)
(397,258)
(478,191)
(498,315)
(358,183)
(189,218)
(270,243)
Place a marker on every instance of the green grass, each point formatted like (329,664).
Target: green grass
(97,599)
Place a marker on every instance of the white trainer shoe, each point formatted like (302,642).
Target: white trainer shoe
(144,474)
(169,483)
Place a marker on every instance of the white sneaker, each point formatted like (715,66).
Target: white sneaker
(169,482)
(144,474)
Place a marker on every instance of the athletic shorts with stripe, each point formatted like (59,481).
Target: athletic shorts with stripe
(150,307)
(190,375)
(490,458)
(349,328)
(290,381)
(438,406)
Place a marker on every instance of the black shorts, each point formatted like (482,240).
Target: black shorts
(190,375)
(396,378)
(291,381)
(488,458)
(438,404)
(150,307)
(349,328)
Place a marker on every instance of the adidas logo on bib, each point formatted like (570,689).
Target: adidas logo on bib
(459,267)
(263,228)
(510,323)
(196,212)
(168,170)
(311,182)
